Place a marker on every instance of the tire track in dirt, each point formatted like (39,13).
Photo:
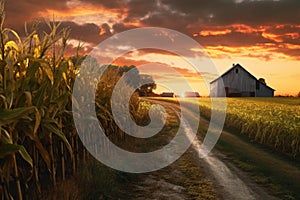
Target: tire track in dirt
(231,185)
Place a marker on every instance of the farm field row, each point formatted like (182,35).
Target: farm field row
(273,122)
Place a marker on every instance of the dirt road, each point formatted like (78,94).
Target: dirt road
(230,183)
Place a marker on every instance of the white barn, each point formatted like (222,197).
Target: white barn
(238,82)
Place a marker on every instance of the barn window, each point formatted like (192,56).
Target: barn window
(236,70)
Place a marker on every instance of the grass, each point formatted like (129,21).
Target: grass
(196,184)
(99,181)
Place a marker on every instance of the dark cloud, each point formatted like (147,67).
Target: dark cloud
(285,28)
(119,27)
(163,19)
(279,19)
(88,32)
(138,9)
(110,4)
(224,12)
(20,11)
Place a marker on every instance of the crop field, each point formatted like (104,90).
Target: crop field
(45,90)
(39,144)
(273,122)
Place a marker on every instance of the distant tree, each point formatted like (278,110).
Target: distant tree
(299,94)
(113,73)
(147,89)
(135,79)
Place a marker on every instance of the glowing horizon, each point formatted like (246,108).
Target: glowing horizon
(266,44)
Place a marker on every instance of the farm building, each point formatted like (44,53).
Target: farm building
(191,94)
(238,82)
(167,94)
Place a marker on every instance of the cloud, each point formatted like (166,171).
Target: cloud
(220,12)
(19,11)
(120,27)
(213,23)
(88,33)
(106,3)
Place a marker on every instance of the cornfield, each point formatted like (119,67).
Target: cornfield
(35,91)
(273,122)
(39,145)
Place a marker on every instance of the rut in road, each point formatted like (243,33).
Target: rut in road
(231,183)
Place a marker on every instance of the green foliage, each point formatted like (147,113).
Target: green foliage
(36,124)
(273,122)
(147,89)
(97,180)
(138,111)
(35,81)
(10,149)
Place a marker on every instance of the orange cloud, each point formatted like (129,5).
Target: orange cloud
(262,52)
(223,30)
(215,33)
(82,13)
(280,37)
(292,35)
(242,28)
(292,46)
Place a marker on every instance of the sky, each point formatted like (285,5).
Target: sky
(261,35)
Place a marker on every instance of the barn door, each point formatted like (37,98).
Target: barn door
(226,91)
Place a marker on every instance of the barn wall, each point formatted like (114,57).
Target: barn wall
(239,82)
(212,92)
(264,91)
(217,89)
(232,81)
(247,83)
(214,89)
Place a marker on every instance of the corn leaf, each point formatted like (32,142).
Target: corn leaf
(37,121)
(10,149)
(12,115)
(54,129)
(12,44)
(43,152)
(38,100)
(46,68)
(14,33)
(25,155)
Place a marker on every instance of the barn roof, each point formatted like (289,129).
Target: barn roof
(240,66)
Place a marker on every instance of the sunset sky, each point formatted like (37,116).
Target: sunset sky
(262,35)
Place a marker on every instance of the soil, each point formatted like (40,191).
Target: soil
(230,182)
